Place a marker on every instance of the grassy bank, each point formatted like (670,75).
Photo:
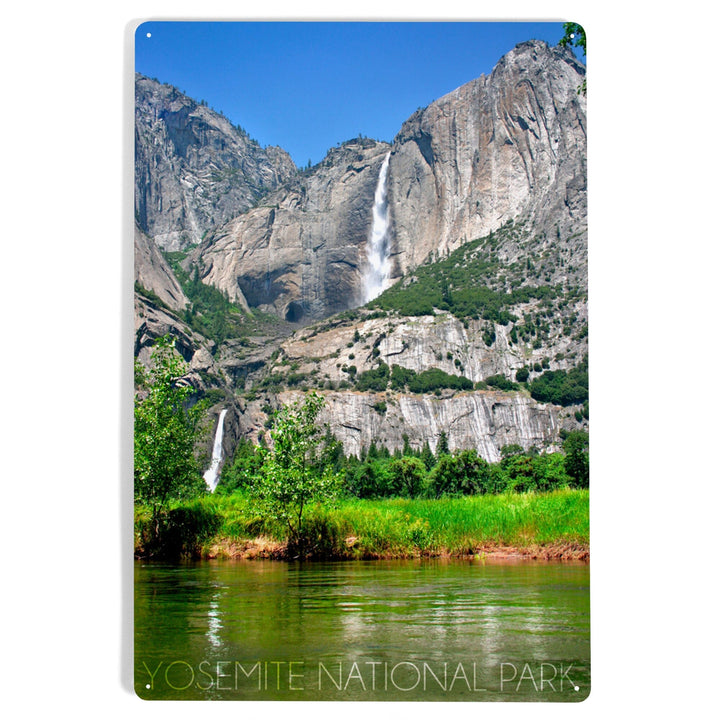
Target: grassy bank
(544,525)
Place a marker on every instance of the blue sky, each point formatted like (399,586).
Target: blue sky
(307,86)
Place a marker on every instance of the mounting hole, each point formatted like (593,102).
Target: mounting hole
(148,35)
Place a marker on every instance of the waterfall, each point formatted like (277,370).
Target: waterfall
(378,270)
(211,474)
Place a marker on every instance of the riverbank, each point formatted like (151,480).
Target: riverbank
(267,549)
(542,526)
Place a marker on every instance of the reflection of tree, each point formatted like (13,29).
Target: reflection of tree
(379,612)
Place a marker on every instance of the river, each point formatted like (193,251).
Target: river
(465,630)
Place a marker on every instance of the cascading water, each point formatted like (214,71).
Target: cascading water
(211,474)
(378,270)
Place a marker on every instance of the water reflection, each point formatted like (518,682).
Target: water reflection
(214,617)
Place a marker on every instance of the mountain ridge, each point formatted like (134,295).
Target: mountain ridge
(496,166)
(193,168)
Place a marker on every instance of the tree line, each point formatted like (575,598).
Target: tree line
(303,463)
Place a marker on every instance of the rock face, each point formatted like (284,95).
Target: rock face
(153,273)
(418,343)
(153,321)
(302,254)
(508,146)
(327,355)
(503,154)
(193,168)
(484,421)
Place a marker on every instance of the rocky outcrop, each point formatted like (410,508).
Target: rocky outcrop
(152,321)
(328,352)
(485,421)
(302,254)
(193,168)
(510,145)
(154,274)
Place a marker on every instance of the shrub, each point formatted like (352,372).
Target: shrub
(500,382)
(177,531)
(577,458)
(561,387)
(407,475)
(369,480)
(462,473)
(375,379)
(435,379)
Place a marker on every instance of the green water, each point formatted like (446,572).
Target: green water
(380,630)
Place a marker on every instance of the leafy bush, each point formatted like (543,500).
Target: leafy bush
(561,387)
(462,473)
(534,473)
(400,377)
(407,475)
(501,383)
(370,479)
(577,458)
(375,379)
(178,531)
(427,381)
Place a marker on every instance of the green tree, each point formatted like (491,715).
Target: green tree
(522,374)
(443,447)
(577,458)
(166,431)
(507,451)
(242,471)
(426,455)
(462,473)
(295,472)
(370,479)
(575,35)
(408,476)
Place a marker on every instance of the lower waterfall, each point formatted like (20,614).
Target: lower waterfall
(211,475)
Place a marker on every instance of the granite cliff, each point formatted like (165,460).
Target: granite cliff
(301,253)
(487,247)
(507,146)
(193,168)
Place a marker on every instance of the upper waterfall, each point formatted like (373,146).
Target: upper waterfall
(378,256)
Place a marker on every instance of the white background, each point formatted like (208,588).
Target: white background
(67,337)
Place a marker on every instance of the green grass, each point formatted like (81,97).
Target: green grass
(459,525)
(409,527)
